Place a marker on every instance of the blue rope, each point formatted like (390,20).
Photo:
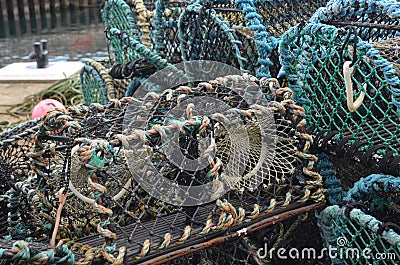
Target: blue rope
(158,27)
(345,8)
(69,255)
(367,189)
(335,191)
(265,43)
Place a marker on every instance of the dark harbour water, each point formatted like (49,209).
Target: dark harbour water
(73,32)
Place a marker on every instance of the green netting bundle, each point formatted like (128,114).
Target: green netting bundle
(98,86)
(349,91)
(153,24)
(364,230)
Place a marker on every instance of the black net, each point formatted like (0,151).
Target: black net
(206,36)
(103,163)
(16,143)
(165,29)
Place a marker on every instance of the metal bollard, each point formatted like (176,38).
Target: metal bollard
(41,54)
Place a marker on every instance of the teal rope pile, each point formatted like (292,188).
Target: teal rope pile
(335,191)
(266,43)
(373,188)
(335,225)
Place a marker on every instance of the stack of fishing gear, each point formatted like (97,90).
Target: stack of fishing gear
(244,34)
(107,171)
(151,28)
(328,67)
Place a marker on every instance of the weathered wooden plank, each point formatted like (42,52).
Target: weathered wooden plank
(43,17)
(21,16)
(2,29)
(32,16)
(10,17)
(53,15)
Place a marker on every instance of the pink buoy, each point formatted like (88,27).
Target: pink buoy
(45,106)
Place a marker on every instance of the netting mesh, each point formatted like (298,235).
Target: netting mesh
(85,149)
(390,50)
(165,29)
(117,14)
(97,84)
(280,16)
(243,34)
(204,35)
(365,228)
(313,59)
(152,24)
(374,20)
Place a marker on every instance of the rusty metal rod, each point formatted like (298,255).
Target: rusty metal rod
(363,25)
(220,240)
(227,9)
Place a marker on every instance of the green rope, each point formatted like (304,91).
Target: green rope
(67,91)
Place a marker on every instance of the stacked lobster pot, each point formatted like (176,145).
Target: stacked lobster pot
(243,34)
(163,177)
(343,68)
(189,151)
(142,37)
